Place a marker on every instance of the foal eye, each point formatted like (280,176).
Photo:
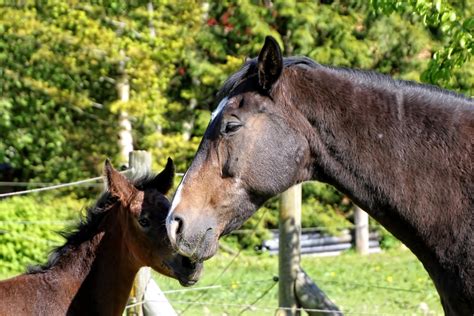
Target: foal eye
(144,222)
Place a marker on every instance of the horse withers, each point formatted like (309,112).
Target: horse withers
(402,151)
(93,272)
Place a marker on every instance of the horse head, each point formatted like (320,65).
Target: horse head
(253,149)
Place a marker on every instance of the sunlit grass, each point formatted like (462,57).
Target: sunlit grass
(391,283)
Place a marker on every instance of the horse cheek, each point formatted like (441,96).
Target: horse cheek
(276,157)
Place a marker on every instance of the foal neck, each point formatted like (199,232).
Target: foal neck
(99,272)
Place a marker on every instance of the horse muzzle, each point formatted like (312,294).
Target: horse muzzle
(198,244)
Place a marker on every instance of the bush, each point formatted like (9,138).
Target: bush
(325,207)
(387,240)
(29,227)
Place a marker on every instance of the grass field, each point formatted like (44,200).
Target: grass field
(388,283)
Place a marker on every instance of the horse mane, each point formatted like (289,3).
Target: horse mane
(89,224)
(368,77)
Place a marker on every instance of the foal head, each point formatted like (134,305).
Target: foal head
(253,148)
(142,211)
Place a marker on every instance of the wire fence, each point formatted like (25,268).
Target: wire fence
(271,309)
(49,186)
(45,186)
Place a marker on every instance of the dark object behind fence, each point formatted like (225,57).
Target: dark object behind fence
(313,241)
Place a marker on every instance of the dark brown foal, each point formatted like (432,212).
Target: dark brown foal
(93,273)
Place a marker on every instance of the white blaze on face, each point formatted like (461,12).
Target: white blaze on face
(219,109)
(176,199)
(178,195)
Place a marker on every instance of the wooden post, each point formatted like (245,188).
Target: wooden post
(295,288)
(123,90)
(289,249)
(361,220)
(140,163)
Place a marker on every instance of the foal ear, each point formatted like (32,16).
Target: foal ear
(270,63)
(117,184)
(164,180)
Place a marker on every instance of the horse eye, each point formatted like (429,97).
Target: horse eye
(232,127)
(144,222)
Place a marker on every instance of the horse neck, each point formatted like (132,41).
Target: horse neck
(100,272)
(378,143)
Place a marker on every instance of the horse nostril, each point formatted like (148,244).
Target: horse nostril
(179,225)
(175,227)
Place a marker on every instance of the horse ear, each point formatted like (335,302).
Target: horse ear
(164,180)
(117,184)
(270,63)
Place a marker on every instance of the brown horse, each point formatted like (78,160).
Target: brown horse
(402,151)
(93,273)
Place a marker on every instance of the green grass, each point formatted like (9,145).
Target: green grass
(388,283)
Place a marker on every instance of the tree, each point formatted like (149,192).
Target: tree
(60,62)
(450,21)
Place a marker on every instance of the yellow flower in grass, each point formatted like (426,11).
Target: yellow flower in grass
(389,279)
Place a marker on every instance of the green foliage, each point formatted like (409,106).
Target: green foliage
(325,207)
(60,64)
(29,226)
(51,97)
(452,22)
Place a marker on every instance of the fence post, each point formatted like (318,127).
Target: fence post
(295,288)
(289,249)
(140,163)
(361,221)
(123,90)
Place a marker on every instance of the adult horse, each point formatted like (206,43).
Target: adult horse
(93,272)
(400,150)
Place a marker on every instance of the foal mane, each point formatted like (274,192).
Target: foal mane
(89,224)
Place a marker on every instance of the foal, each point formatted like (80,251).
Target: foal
(93,273)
